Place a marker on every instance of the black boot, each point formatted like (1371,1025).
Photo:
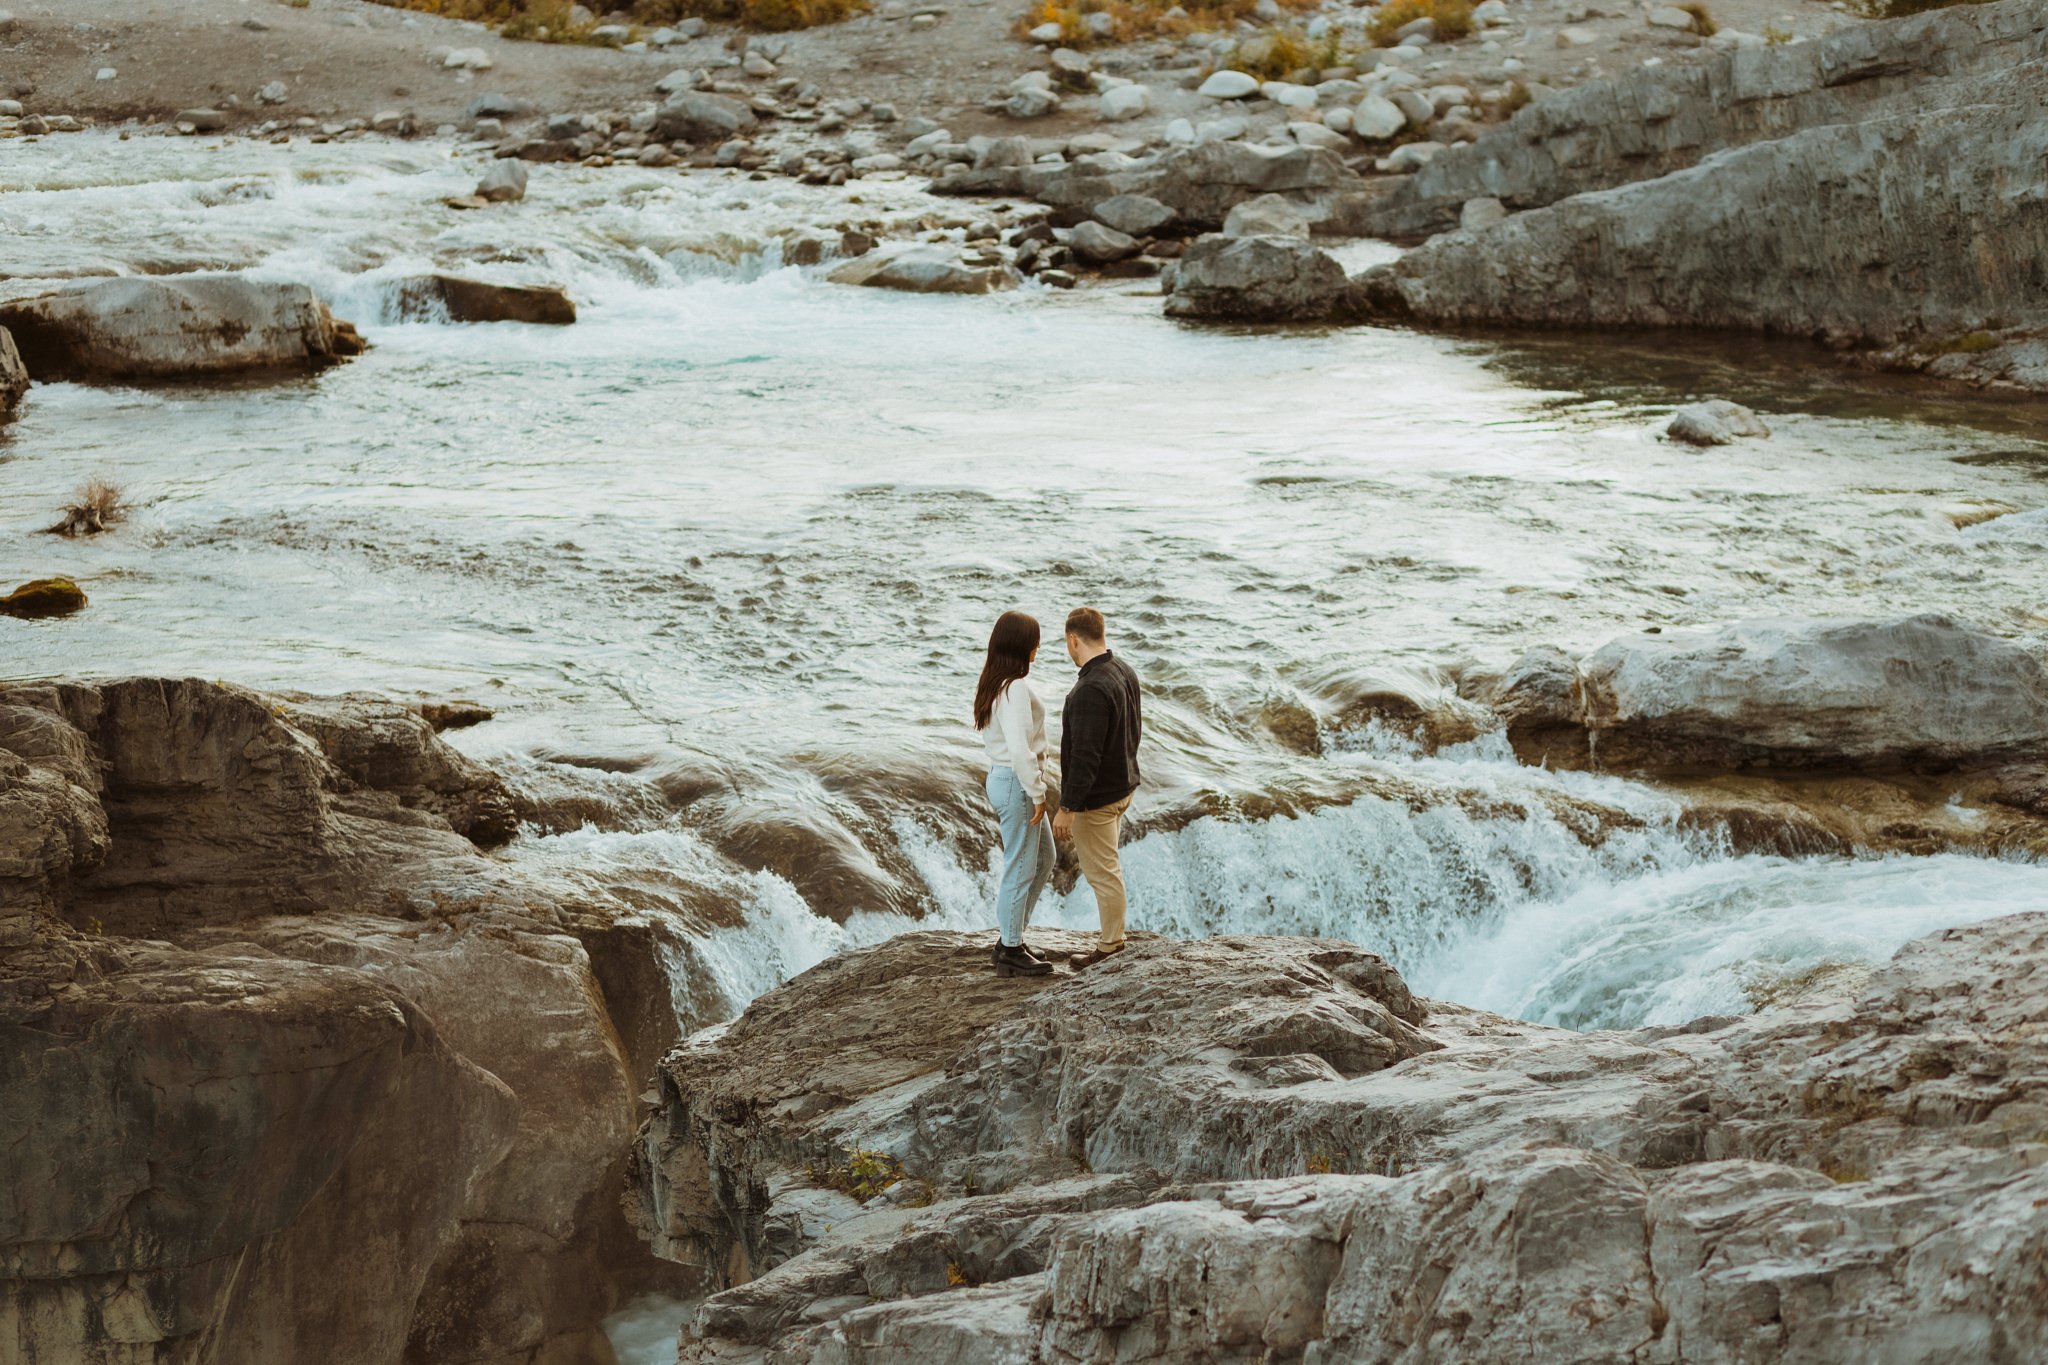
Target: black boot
(1018,962)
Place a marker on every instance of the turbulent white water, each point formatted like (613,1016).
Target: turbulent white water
(723,554)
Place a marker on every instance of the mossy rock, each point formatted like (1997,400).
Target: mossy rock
(43,597)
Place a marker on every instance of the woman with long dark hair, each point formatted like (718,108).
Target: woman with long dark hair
(1011,721)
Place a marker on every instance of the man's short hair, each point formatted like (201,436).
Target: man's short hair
(1086,622)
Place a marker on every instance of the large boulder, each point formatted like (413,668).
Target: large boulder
(1182,1154)
(454,298)
(1256,279)
(1798,695)
(13,375)
(924,270)
(182,327)
(697,117)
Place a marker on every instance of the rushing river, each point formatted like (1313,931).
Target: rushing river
(723,555)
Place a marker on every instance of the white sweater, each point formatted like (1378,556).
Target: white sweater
(1015,736)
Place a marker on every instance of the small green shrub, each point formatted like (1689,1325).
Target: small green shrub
(863,1174)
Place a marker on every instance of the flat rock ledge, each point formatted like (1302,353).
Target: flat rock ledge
(1267,1149)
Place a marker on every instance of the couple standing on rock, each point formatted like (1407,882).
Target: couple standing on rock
(1099,729)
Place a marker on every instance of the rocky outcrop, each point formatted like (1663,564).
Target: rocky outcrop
(1875,193)
(1844,233)
(393,1068)
(924,270)
(182,327)
(1231,1178)
(1200,184)
(13,375)
(1841,696)
(1255,279)
(452,298)
(1654,121)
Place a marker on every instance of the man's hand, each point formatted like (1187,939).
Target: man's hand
(1038,812)
(1063,825)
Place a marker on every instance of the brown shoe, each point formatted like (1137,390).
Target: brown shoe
(1017,962)
(1080,960)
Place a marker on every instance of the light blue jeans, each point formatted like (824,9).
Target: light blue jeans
(1028,854)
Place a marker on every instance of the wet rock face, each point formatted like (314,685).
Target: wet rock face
(13,375)
(187,327)
(1818,1184)
(341,1047)
(194,1139)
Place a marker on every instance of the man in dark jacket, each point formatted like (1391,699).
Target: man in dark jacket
(1099,730)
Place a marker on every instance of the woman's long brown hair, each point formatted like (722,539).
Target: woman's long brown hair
(1009,658)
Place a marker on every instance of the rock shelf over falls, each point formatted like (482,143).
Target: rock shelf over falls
(288,999)
(1253,1149)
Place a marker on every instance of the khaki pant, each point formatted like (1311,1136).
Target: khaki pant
(1096,833)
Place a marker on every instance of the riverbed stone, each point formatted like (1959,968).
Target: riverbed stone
(1139,215)
(1377,118)
(1269,215)
(504,182)
(695,116)
(924,270)
(1257,279)
(1229,85)
(43,597)
(457,298)
(1715,422)
(180,327)
(1099,244)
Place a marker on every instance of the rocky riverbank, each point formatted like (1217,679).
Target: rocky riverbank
(1803,175)
(1268,1148)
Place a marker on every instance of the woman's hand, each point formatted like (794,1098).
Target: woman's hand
(1038,812)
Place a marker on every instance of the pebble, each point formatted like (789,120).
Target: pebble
(468,59)
(1125,102)
(504,182)
(273,93)
(1288,95)
(1047,33)
(757,66)
(1478,214)
(1178,132)
(1669,16)
(1576,37)
(105,73)
(10,108)
(1228,85)
(1317,135)
(1489,13)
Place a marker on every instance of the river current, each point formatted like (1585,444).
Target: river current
(723,555)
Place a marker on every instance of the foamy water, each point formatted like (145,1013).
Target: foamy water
(724,552)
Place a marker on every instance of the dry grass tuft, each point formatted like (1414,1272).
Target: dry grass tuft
(1702,20)
(1453,19)
(98,507)
(1134,19)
